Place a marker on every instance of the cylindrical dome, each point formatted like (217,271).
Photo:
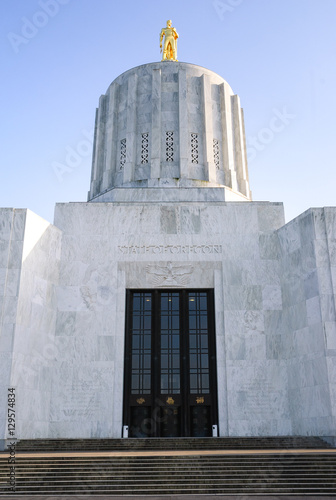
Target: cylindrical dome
(169,126)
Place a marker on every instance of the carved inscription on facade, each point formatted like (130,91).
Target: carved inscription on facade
(170,249)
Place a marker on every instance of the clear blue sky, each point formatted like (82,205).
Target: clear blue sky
(278,55)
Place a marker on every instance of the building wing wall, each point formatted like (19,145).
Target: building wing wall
(27,338)
(308,319)
(12,225)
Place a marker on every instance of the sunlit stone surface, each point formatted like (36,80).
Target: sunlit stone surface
(62,286)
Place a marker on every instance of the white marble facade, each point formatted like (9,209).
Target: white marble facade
(62,286)
(171,126)
(63,311)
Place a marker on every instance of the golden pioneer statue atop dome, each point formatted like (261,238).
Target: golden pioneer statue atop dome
(170,43)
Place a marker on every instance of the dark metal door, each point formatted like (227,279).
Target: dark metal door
(170,385)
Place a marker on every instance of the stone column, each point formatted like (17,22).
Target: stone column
(110,133)
(131,128)
(93,167)
(183,123)
(210,167)
(239,147)
(248,191)
(156,125)
(98,158)
(227,156)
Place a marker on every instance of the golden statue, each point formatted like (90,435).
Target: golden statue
(170,43)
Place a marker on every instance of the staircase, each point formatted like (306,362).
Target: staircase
(151,444)
(231,469)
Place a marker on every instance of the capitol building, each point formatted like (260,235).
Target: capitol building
(169,304)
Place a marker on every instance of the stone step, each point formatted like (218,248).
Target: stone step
(175,490)
(161,462)
(187,479)
(284,473)
(123,465)
(171,444)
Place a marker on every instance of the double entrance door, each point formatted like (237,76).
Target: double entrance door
(170,383)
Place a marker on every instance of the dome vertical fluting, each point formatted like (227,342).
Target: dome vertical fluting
(169,125)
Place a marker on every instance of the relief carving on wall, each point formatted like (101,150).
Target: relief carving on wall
(169,274)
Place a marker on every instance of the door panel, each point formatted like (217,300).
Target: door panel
(171,422)
(140,422)
(170,383)
(200,421)
(169,348)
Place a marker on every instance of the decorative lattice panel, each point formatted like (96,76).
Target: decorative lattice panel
(194,148)
(144,148)
(122,153)
(216,152)
(169,146)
